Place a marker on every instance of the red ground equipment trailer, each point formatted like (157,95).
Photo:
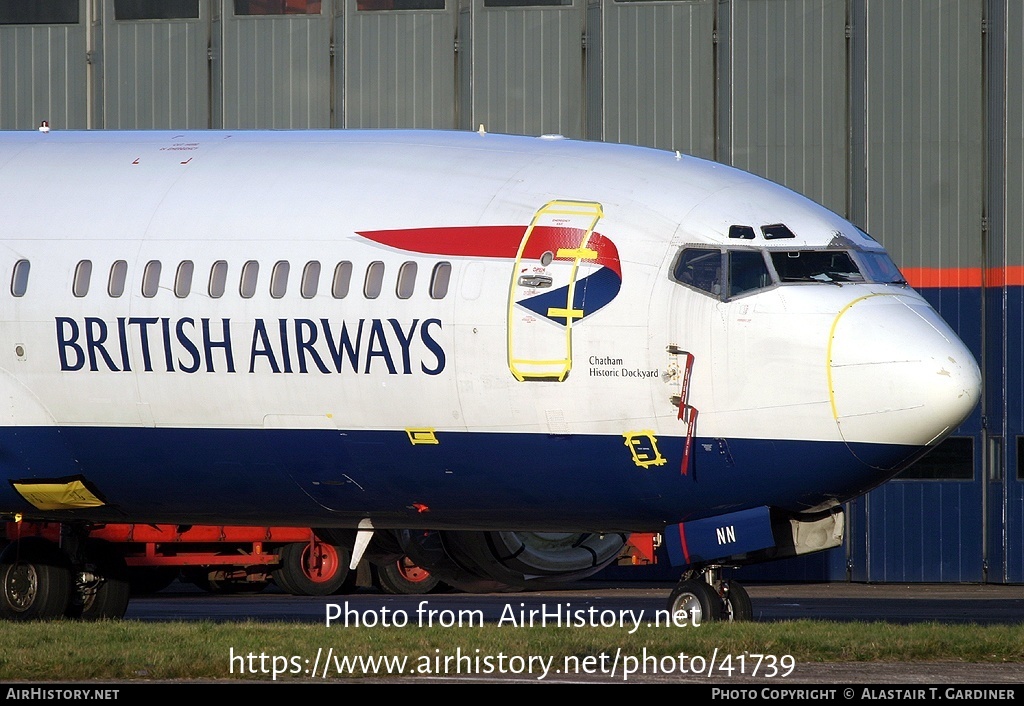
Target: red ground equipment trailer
(229,559)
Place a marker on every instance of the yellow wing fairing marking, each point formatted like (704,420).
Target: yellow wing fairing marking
(643,446)
(422,436)
(58,494)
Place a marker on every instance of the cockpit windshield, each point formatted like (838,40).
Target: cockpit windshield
(730,272)
(878,267)
(815,266)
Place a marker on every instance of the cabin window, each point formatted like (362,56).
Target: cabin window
(250,274)
(218,279)
(372,5)
(117,279)
(700,268)
(277,7)
(279,279)
(953,459)
(439,280)
(151,278)
(19,278)
(341,281)
(310,279)
(747,272)
(374,280)
(183,279)
(83,273)
(53,12)
(406,280)
(156,9)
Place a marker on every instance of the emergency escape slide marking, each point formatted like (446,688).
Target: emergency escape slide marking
(537,351)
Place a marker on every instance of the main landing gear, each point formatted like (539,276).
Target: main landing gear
(705,597)
(84,579)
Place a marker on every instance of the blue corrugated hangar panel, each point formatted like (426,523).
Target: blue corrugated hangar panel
(928,529)
(399,64)
(921,133)
(527,67)
(154,64)
(650,74)
(44,71)
(275,63)
(783,100)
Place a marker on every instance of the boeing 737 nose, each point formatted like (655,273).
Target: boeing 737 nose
(897,372)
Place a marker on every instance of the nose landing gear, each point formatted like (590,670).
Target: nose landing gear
(706,597)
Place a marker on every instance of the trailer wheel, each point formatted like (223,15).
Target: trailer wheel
(404,577)
(35,578)
(101,589)
(312,568)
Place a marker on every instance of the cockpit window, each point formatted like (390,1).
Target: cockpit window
(776,230)
(815,266)
(747,272)
(879,268)
(700,268)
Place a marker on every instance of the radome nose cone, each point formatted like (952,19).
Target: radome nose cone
(898,373)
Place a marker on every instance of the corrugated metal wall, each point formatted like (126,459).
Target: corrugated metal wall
(154,74)
(527,69)
(921,194)
(651,74)
(905,116)
(399,68)
(275,69)
(1006,228)
(924,121)
(784,106)
(44,74)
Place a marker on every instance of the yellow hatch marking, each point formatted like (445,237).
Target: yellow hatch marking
(643,445)
(422,436)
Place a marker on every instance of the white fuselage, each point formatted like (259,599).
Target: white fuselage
(446,349)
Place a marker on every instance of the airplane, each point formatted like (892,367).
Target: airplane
(496,355)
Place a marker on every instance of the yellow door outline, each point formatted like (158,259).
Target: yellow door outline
(570,213)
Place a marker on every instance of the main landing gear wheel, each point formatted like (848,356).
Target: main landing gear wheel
(101,589)
(698,600)
(35,579)
(403,577)
(736,604)
(312,568)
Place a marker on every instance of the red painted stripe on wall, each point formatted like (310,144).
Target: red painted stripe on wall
(924,277)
